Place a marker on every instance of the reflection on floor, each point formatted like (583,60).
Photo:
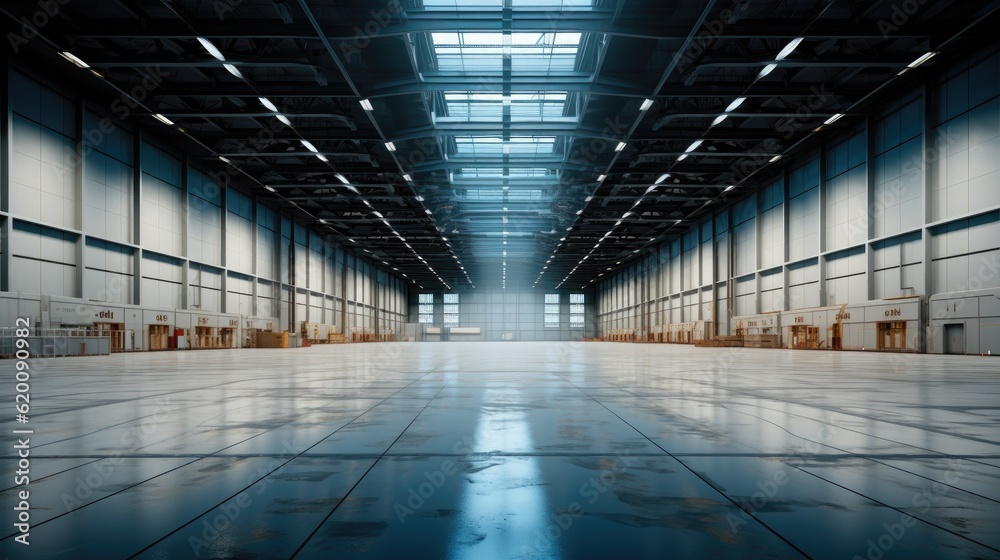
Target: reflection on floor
(511,450)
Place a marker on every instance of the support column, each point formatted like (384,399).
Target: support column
(5,159)
(224,256)
(185,249)
(870,211)
(137,213)
(926,234)
(821,260)
(786,253)
(80,169)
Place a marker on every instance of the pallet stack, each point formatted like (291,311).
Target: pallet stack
(723,341)
(762,341)
(336,338)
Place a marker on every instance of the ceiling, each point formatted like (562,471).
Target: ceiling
(503,142)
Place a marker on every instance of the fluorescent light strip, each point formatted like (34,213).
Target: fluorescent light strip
(767,70)
(390,146)
(267,103)
(74,59)
(322,158)
(834,118)
(694,146)
(163,119)
(662,178)
(620,147)
(284,120)
(718,120)
(923,58)
(309,146)
(646,105)
(232,70)
(212,49)
(789,48)
(367,105)
(735,104)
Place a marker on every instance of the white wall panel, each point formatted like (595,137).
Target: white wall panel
(43,174)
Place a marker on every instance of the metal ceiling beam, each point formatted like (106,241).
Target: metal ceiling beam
(495,83)
(343,29)
(660,122)
(312,90)
(548,163)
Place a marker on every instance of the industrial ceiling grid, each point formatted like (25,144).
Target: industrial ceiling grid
(504,142)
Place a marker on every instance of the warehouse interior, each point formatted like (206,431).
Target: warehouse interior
(501,278)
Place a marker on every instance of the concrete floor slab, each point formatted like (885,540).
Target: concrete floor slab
(502,450)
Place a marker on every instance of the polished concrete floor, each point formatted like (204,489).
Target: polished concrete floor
(510,450)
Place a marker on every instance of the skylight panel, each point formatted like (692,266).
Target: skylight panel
(516,4)
(524,107)
(484,52)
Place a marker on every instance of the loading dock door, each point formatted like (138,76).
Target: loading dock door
(954,339)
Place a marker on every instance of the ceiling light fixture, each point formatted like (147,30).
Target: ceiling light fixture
(735,104)
(74,59)
(646,105)
(923,58)
(601,178)
(390,146)
(309,146)
(407,178)
(367,105)
(662,178)
(163,119)
(620,147)
(322,158)
(694,146)
(767,70)
(267,103)
(789,48)
(718,120)
(212,49)
(775,158)
(269,187)
(834,118)
(232,70)
(284,120)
